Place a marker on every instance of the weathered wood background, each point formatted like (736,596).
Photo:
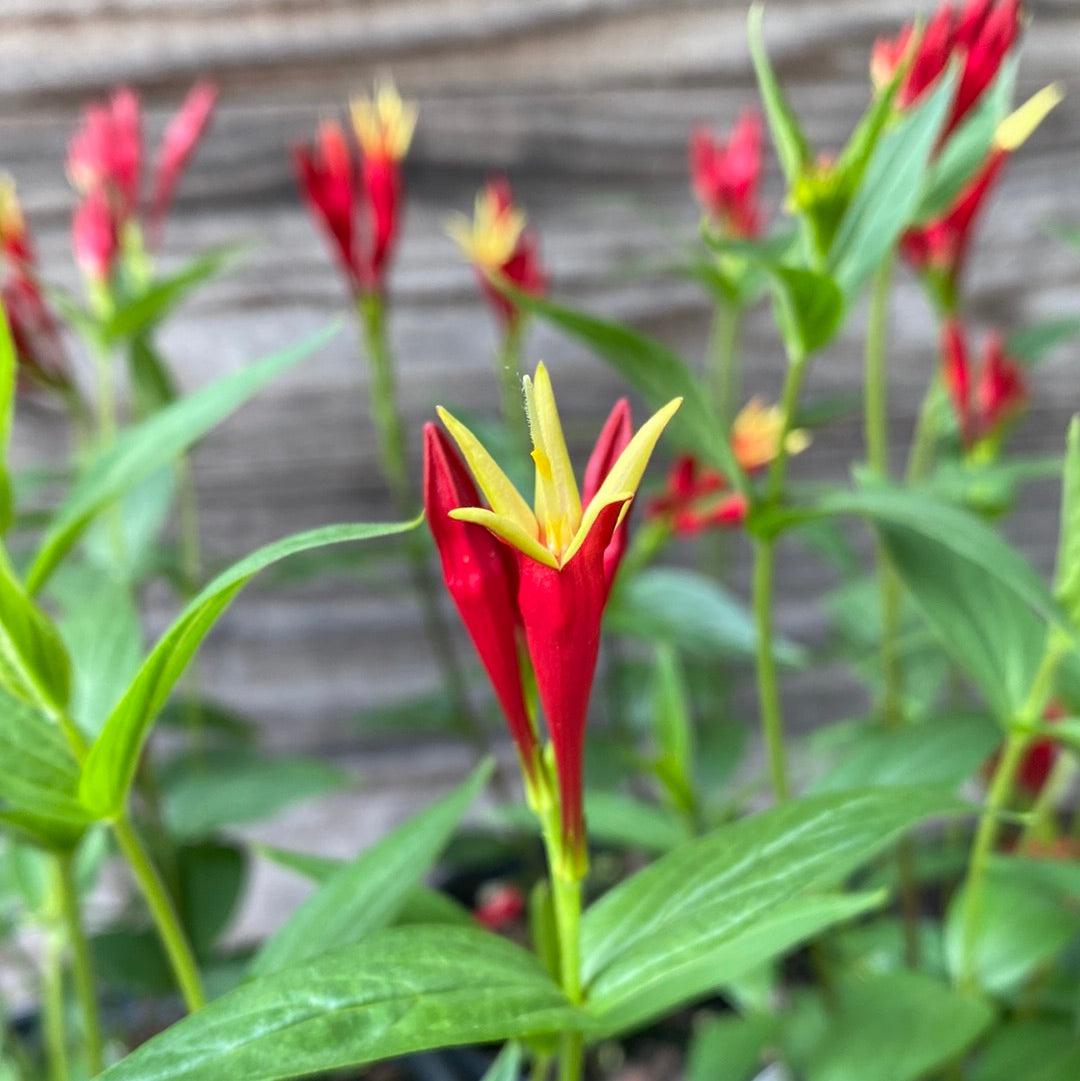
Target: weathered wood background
(587,105)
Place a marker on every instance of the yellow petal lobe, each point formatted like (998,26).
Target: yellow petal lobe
(508,530)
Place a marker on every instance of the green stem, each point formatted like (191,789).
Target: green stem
(772,719)
(52,1005)
(998,798)
(82,969)
(566,896)
(724,369)
(789,403)
(391,436)
(163,912)
(921,455)
(508,365)
(541,1067)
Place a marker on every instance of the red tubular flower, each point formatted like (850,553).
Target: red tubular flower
(178,145)
(384,128)
(93,236)
(105,153)
(497,243)
(482,580)
(985,401)
(1039,759)
(726,177)
(566,555)
(981,34)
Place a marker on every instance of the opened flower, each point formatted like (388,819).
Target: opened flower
(698,497)
(939,247)
(986,399)
(565,551)
(980,35)
(726,177)
(498,243)
(333,187)
(34,330)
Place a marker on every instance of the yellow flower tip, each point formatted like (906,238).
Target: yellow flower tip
(797,441)
(1019,125)
(756,432)
(384,123)
(11,217)
(491,237)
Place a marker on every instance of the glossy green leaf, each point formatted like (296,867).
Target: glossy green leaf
(896,1026)
(941,750)
(114,755)
(730,1048)
(144,448)
(809,307)
(615,818)
(152,385)
(1032,343)
(1067,573)
(404,990)
(365,894)
(674,731)
(966,149)
(1020,926)
(33,662)
(690,611)
(791,147)
(203,793)
(653,369)
(212,876)
(886,200)
(735,898)
(1030,1049)
(39,779)
(8,368)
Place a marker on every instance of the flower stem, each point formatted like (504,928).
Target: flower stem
(723,361)
(997,800)
(52,1006)
(82,970)
(391,436)
(772,719)
(566,897)
(508,365)
(163,912)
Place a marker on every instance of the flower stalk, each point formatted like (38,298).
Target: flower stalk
(81,967)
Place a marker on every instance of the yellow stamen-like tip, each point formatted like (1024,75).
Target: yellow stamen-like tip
(384,123)
(489,239)
(1019,125)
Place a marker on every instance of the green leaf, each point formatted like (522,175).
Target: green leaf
(8,365)
(1030,1049)
(144,448)
(1031,344)
(1021,925)
(965,151)
(896,1026)
(203,793)
(39,781)
(791,147)
(1067,573)
(138,314)
(674,731)
(212,877)
(940,750)
(729,1048)
(507,1067)
(110,765)
(404,990)
(886,200)
(366,894)
(33,662)
(152,386)
(653,369)
(735,898)
(690,611)
(618,819)
(809,307)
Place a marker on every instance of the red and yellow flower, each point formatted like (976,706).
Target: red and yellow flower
(383,125)
(499,245)
(563,552)
(726,177)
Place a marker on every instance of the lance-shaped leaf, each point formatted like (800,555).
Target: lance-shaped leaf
(144,448)
(507,1067)
(1067,574)
(39,779)
(791,147)
(366,894)
(403,990)
(1032,343)
(734,898)
(654,370)
(7,410)
(885,202)
(110,765)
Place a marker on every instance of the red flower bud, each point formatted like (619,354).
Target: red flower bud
(726,177)
(500,904)
(178,145)
(105,153)
(93,236)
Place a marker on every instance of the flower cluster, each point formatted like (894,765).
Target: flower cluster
(335,189)
(983,400)
(104,165)
(34,329)
(541,575)
(726,177)
(500,246)
(697,497)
